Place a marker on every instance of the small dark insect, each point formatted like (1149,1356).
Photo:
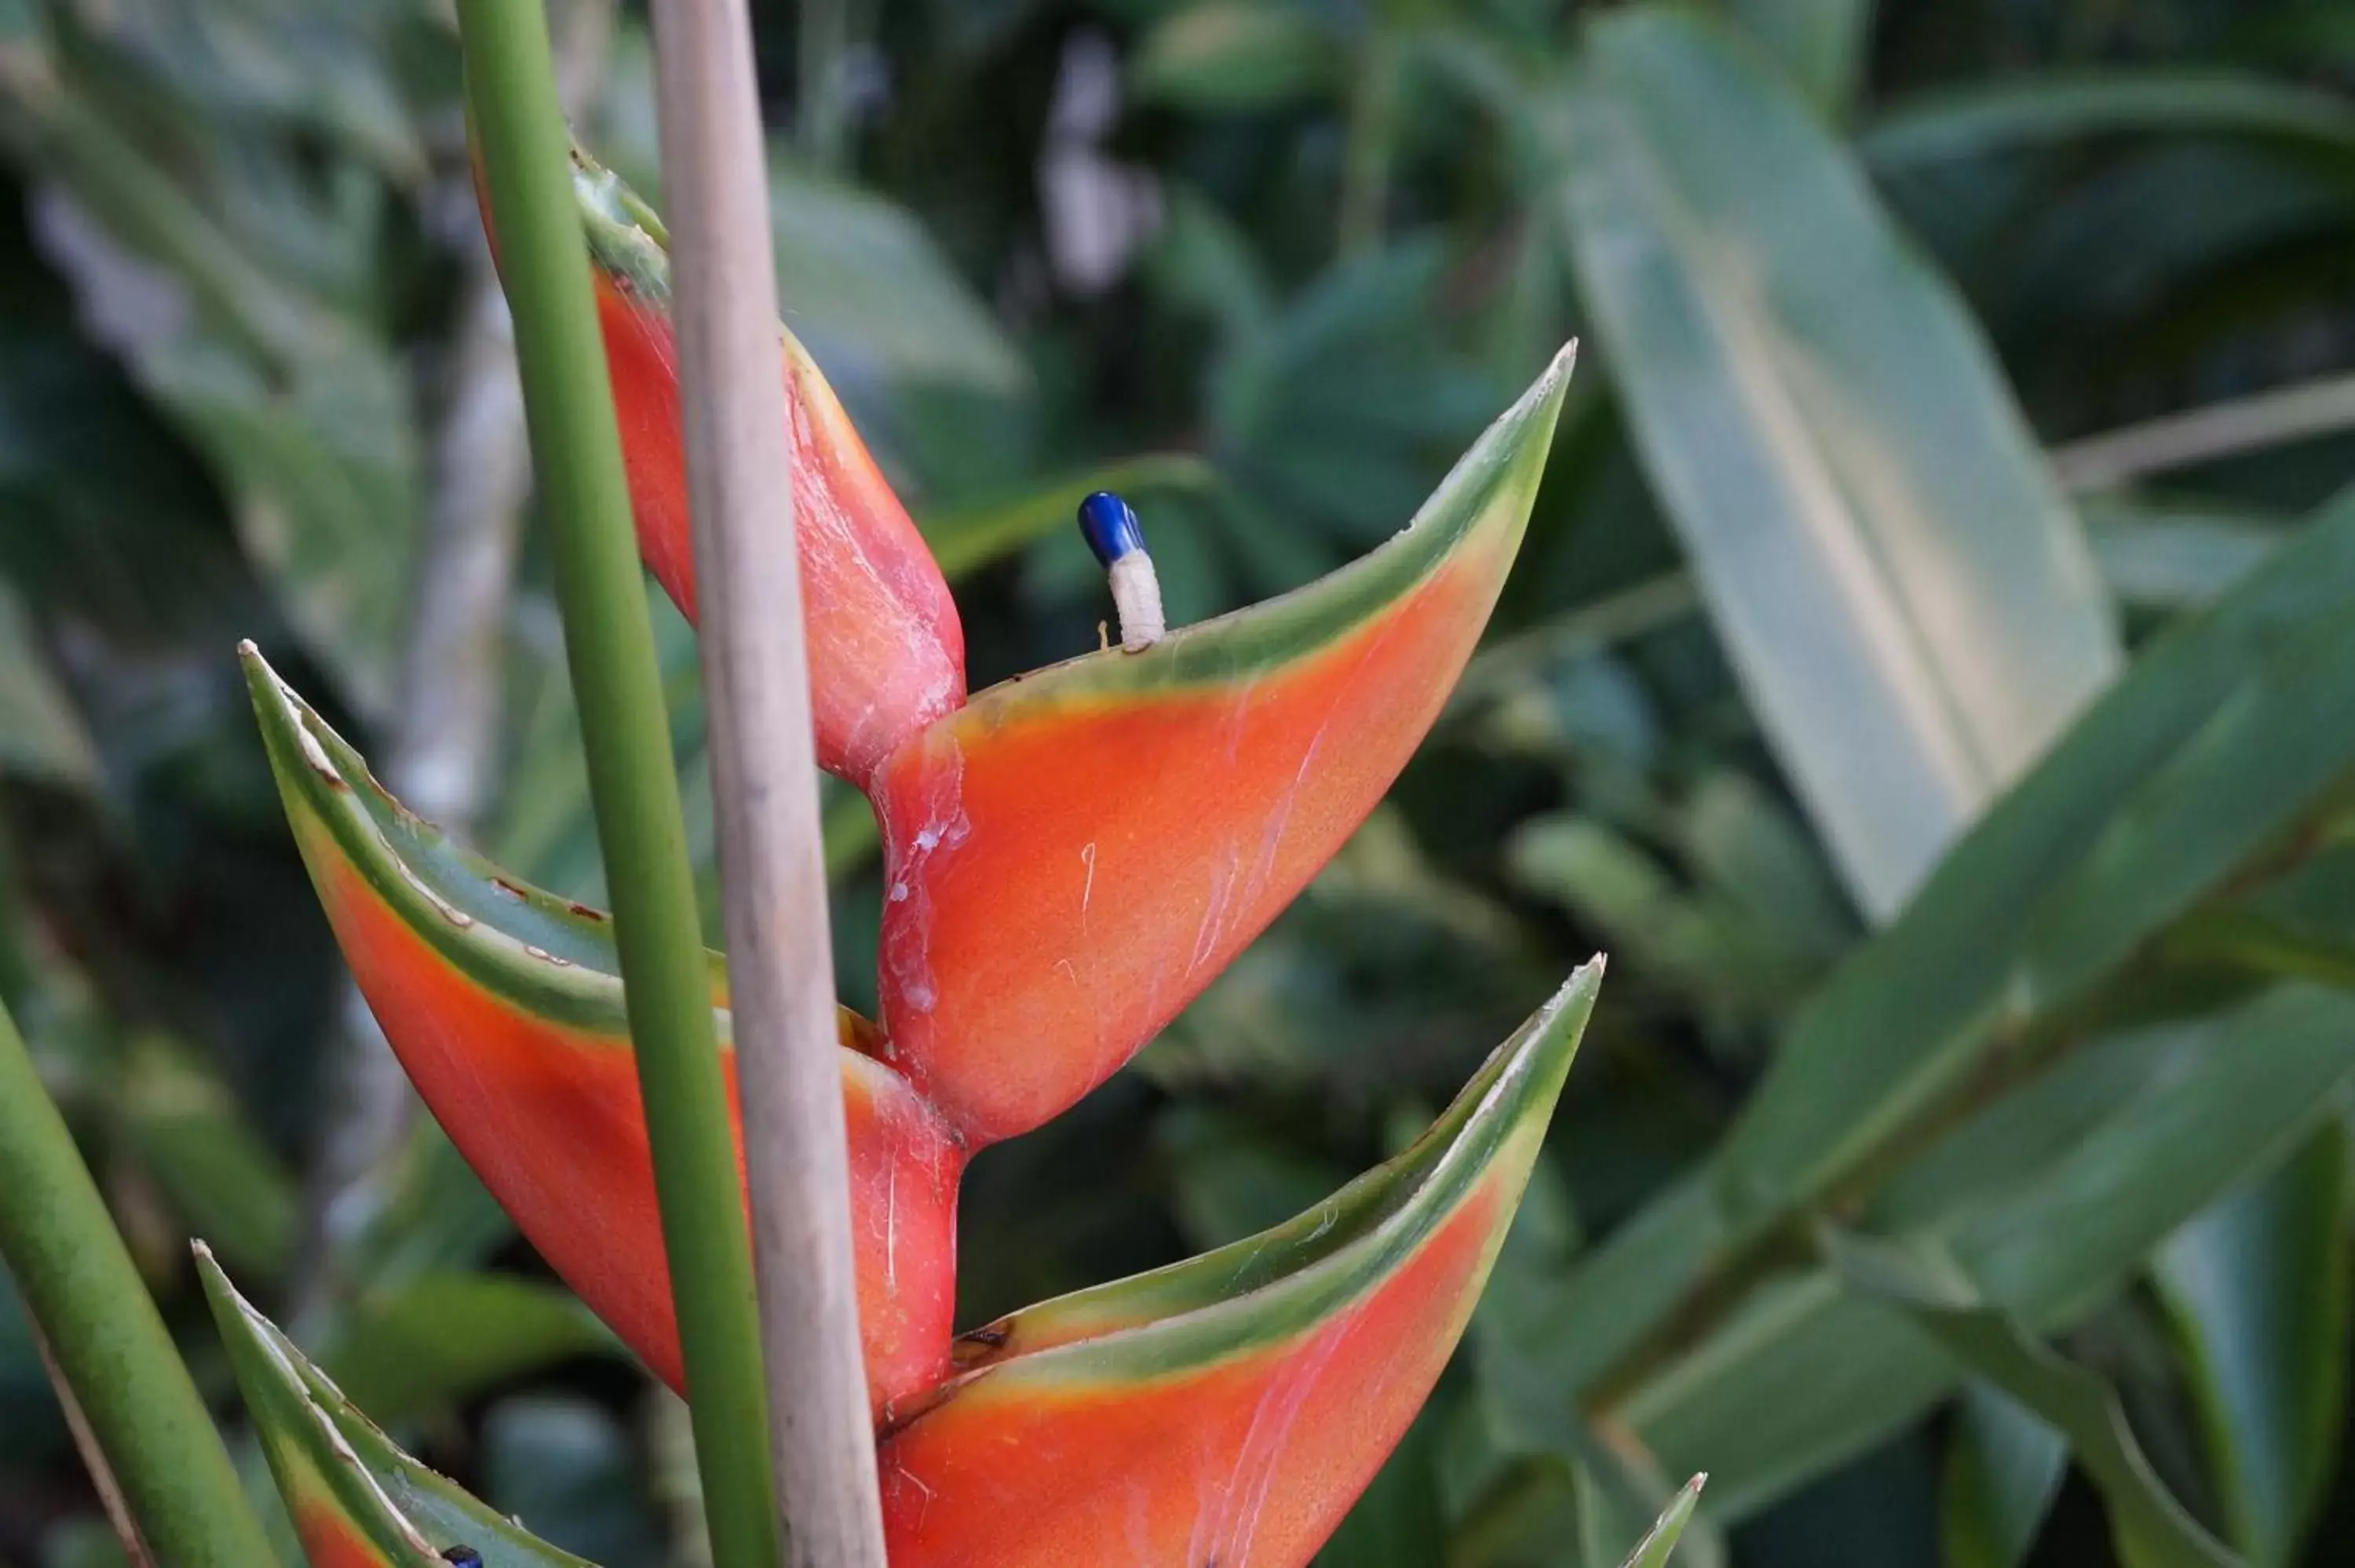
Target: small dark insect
(463,1556)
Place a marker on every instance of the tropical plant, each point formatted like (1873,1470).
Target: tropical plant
(1919,670)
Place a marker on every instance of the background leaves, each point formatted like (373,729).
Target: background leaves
(2031,322)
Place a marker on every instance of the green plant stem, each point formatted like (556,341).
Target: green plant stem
(608,646)
(109,1341)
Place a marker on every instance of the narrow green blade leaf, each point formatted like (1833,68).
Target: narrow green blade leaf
(448,1337)
(2051,1201)
(2233,729)
(42,734)
(2257,1289)
(1819,44)
(2177,557)
(2021,113)
(1654,1550)
(2003,1468)
(2153,1530)
(870,292)
(1901,584)
(2229,732)
(964,540)
(1217,57)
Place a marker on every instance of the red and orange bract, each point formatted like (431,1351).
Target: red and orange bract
(1072,856)
(460,967)
(329,1540)
(1227,1409)
(1242,1462)
(886,651)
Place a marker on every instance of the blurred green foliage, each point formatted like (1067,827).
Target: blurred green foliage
(1955,748)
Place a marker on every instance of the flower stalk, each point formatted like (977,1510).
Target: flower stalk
(106,1337)
(764,778)
(609,647)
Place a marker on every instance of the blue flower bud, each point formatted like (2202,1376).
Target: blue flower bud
(1109,527)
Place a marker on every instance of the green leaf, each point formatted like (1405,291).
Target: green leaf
(2256,1288)
(2177,557)
(41,732)
(193,1139)
(1901,584)
(1339,413)
(1547,1512)
(1654,1550)
(967,538)
(2004,1466)
(863,284)
(1225,57)
(241,59)
(2152,1528)
(2232,730)
(344,1481)
(443,1338)
(568,1465)
(2018,114)
(2050,1200)
(299,408)
(2228,734)
(1819,44)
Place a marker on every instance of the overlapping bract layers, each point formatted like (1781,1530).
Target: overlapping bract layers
(1227,1409)
(504,1006)
(1069,859)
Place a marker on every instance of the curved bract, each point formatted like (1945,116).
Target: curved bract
(886,652)
(1229,1410)
(504,1003)
(1226,1410)
(357,1501)
(1075,854)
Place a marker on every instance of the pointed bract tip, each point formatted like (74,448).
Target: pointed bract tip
(1565,360)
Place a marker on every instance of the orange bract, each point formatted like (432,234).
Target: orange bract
(1247,1462)
(552,1124)
(1062,877)
(887,654)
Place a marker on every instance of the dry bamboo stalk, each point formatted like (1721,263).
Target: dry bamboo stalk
(780,971)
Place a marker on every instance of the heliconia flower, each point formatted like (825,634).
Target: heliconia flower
(886,652)
(1068,858)
(504,1006)
(1224,1410)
